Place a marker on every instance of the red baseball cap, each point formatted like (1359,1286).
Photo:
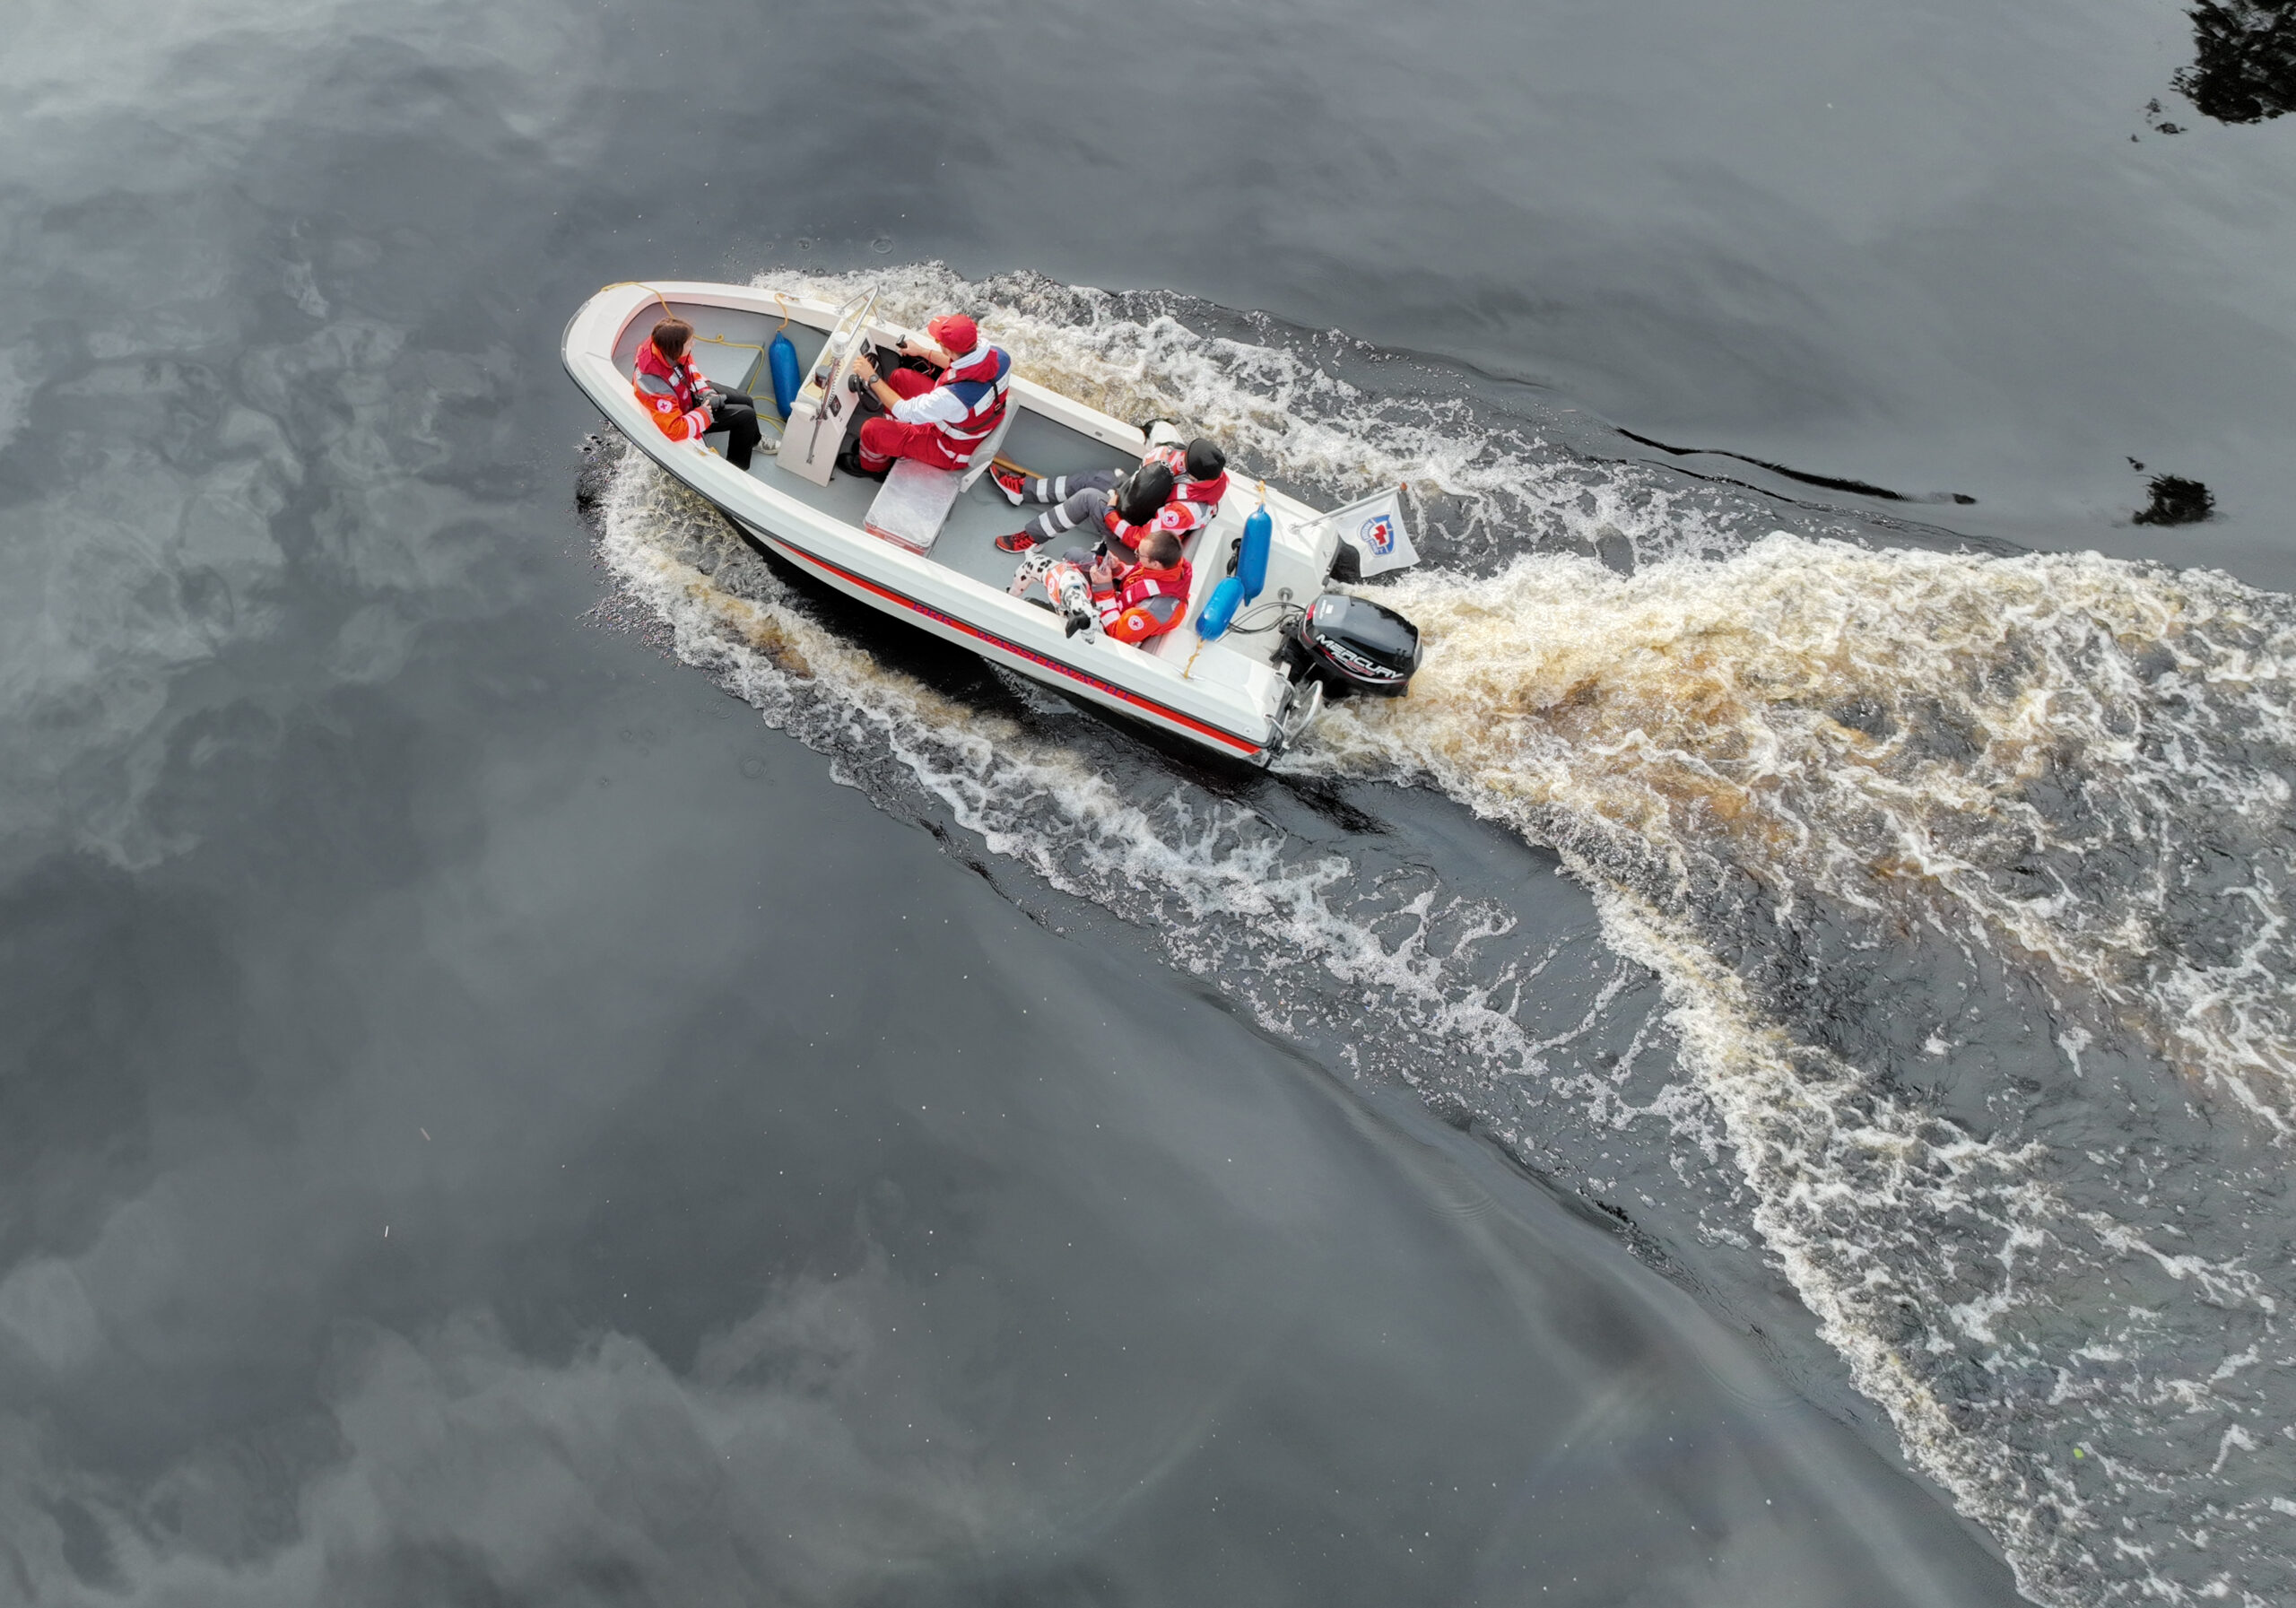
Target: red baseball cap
(955,333)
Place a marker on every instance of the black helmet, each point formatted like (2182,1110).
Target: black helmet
(1205,461)
(1144,491)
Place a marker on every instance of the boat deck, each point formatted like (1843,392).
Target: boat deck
(968,540)
(728,346)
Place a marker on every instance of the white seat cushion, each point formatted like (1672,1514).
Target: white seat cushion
(912,504)
(916,499)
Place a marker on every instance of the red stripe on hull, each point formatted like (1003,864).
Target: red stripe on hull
(1189,723)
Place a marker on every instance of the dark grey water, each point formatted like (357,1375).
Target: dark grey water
(492,1117)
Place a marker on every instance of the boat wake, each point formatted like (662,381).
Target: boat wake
(1942,951)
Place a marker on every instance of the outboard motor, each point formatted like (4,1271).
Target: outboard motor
(1354,644)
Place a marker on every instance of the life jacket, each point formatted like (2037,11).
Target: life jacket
(1195,503)
(1144,601)
(669,391)
(978,379)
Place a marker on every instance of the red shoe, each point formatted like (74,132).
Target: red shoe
(1020,541)
(1011,483)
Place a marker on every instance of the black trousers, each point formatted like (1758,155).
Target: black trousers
(736,413)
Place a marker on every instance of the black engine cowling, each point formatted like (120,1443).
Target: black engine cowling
(1354,644)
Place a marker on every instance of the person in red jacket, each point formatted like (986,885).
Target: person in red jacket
(937,421)
(1115,508)
(1138,601)
(688,407)
(1198,476)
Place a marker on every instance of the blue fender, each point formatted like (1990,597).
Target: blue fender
(781,360)
(1251,554)
(1220,609)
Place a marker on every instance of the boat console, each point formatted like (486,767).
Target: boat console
(824,405)
(914,502)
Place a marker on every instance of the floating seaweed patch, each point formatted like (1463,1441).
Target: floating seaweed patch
(2244,60)
(2175,501)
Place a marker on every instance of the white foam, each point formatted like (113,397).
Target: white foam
(2108,725)
(1700,714)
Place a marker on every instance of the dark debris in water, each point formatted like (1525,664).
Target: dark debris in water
(2156,122)
(2244,60)
(2175,501)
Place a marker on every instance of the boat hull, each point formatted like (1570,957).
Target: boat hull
(998,649)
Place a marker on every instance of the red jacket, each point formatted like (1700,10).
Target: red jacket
(1194,502)
(962,407)
(1143,601)
(671,392)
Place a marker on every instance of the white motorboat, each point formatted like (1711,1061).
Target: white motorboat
(921,545)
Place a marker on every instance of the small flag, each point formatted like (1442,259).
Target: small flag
(1375,529)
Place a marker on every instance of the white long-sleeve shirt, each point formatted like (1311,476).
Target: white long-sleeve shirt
(939,405)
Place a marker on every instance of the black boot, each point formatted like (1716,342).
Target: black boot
(848,459)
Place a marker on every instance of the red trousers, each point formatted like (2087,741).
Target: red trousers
(885,440)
